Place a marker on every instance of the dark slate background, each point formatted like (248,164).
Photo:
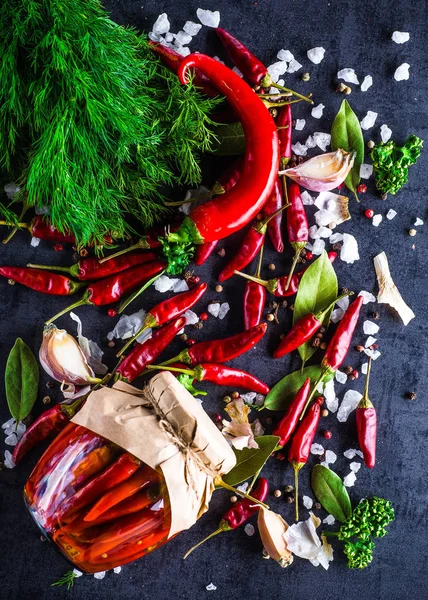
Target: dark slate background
(355,34)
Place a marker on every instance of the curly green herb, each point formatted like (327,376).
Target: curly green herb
(391,163)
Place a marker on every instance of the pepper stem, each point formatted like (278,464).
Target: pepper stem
(176,369)
(262,282)
(132,340)
(296,469)
(281,87)
(320,316)
(50,268)
(259,263)
(16,227)
(223,527)
(191,200)
(293,266)
(218,481)
(81,302)
(261,225)
(312,394)
(135,295)
(142,243)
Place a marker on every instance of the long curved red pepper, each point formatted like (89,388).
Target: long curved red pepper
(239,513)
(284,122)
(220,351)
(91,269)
(111,289)
(223,216)
(303,330)
(272,206)
(203,252)
(221,375)
(301,443)
(289,421)
(42,281)
(297,223)
(167,310)
(367,425)
(144,354)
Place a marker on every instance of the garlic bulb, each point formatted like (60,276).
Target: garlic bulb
(322,173)
(62,358)
(272,528)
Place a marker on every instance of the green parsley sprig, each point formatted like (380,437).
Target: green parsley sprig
(391,163)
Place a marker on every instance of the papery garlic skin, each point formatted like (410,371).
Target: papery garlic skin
(272,528)
(62,358)
(388,291)
(324,172)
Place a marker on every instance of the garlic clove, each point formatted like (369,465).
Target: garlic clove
(388,291)
(62,358)
(322,173)
(272,528)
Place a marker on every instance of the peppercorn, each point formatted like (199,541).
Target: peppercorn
(57,247)
(268,420)
(291,306)
(290,499)
(218,418)
(274,112)
(300,160)
(319,335)
(362,188)
(316,342)
(345,290)
(270,317)
(11,282)
(324,412)
(309,255)
(190,342)
(50,384)
(306,77)
(374,346)
(337,246)
(280,456)
(203,316)
(283,304)
(83,252)
(222,254)
(412,232)
(383,196)
(322,330)
(288,489)
(111,312)
(355,374)
(327,434)
(111,344)
(323,345)
(332,225)
(360,348)
(227,399)
(271,267)
(317,506)
(28,420)
(236,395)
(259,217)
(198,325)
(277,493)
(375,315)
(351,377)
(234,499)
(183,337)
(349,369)
(411,395)
(370,144)
(43,538)
(319,400)
(273,305)
(47,400)
(218,288)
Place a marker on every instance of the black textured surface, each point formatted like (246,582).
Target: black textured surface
(355,34)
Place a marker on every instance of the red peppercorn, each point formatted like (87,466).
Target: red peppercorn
(218,418)
(57,247)
(203,316)
(362,188)
(355,374)
(327,434)
(111,312)
(280,456)
(320,400)
(309,256)
(190,342)
(369,213)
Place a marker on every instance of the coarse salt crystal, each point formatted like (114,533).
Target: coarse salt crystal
(330,396)
(329,520)
(117,570)
(343,303)
(376,221)
(391,214)
(9,423)
(77,573)
(317,111)
(350,479)
(324,232)
(180,286)
(294,66)
(337,315)
(211,587)
(299,149)
(355,466)
(367,82)
(310,142)
(400,37)
(183,50)
(418,222)
(313,232)
(336,237)
(164,283)
(191,317)
(307,502)
(364,368)
(349,403)
(237,71)
(352,452)
(182,38)
(285,55)
(192,28)
(323,217)
(349,251)
(224,309)
(385,133)
(348,75)
(11,189)
(330,457)
(208,18)
(11,440)
(369,120)
(368,297)
(373,354)
(318,247)
(300,123)
(214,308)
(369,341)
(248,397)
(277,69)
(161,25)
(307,198)
(370,328)
(317,449)
(322,140)
(35,241)
(100,575)
(316,55)
(402,72)
(366,171)
(341,377)
(249,529)
(243,487)
(169,37)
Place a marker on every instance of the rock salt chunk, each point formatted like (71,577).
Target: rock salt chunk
(310,142)
(238,72)
(294,66)
(164,283)
(355,466)
(323,217)
(324,232)
(337,315)
(400,37)
(352,452)
(313,232)
(330,457)
(348,75)
(117,570)
(391,214)
(322,140)
(368,297)
(249,529)
(385,133)
(8,462)
(180,286)
(300,123)
(373,354)
(155,37)
(307,502)
(182,38)
(317,449)
(364,368)
(370,328)
(350,479)
(341,377)
(100,574)
(349,403)
(329,520)
(277,69)
(316,55)
(418,222)
(343,303)
(299,149)
(307,198)
(11,189)
(317,111)
(369,341)
(208,18)
(211,587)
(366,171)
(330,396)
(402,72)
(285,55)
(161,25)
(183,50)
(35,241)
(336,237)
(367,82)
(318,247)
(191,317)
(224,309)
(249,397)
(369,120)
(11,440)
(214,308)
(349,251)
(192,28)
(376,221)
(169,37)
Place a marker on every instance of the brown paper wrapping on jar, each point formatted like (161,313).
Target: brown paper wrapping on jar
(164,426)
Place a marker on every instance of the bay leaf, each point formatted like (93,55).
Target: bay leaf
(317,289)
(284,391)
(21,380)
(346,134)
(250,460)
(230,140)
(331,493)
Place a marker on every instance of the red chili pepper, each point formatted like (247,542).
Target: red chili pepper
(120,470)
(284,122)
(367,425)
(90,269)
(167,310)
(239,513)
(250,246)
(297,223)
(220,351)
(221,375)
(40,227)
(204,251)
(223,216)
(272,206)
(139,480)
(42,281)
(288,423)
(144,354)
(254,298)
(111,289)
(227,180)
(172,60)
(301,443)
(303,330)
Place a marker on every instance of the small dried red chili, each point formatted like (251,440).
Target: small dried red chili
(254,299)
(272,206)
(301,443)
(111,289)
(167,310)
(40,227)
(144,354)
(297,223)
(288,423)
(284,122)
(239,513)
(303,330)
(221,375)
(42,281)
(90,269)
(367,425)
(204,251)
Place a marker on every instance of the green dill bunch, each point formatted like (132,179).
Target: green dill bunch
(92,124)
